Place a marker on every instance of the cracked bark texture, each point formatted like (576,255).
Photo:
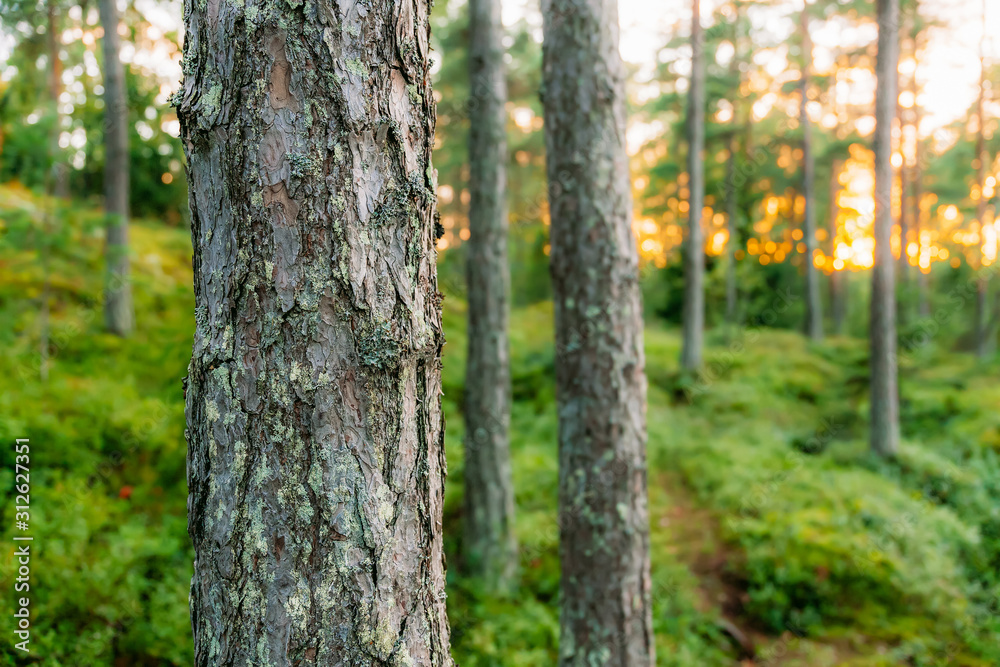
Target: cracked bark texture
(489,543)
(315,459)
(119,317)
(600,377)
(814,309)
(884,392)
(694,249)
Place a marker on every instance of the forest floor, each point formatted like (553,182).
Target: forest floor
(770,520)
(695,539)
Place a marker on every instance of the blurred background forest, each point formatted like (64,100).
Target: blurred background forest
(777,537)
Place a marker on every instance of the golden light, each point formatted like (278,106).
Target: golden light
(717,244)
(523,117)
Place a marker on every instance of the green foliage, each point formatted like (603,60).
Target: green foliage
(112,561)
(34,137)
(758,464)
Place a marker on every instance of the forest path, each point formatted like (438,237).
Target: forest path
(694,539)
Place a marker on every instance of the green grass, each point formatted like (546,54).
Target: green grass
(766,508)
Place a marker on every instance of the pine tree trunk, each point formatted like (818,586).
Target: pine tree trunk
(694,254)
(814,310)
(884,392)
(59,186)
(904,223)
(837,278)
(732,295)
(917,179)
(118,315)
(983,347)
(316,459)
(490,548)
(606,614)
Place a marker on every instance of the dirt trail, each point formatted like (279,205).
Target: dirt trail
(694,539)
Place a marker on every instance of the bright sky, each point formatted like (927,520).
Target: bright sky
(949,72)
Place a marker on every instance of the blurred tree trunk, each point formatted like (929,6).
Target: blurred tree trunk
(838,286)
(55,185)
(313,399)
(600,368)
(917,178)
(982,340)
(694,253)
(814,309)
(904,186)
(884,391)
(732,294)
(118,315)
(490,548)
(60,175)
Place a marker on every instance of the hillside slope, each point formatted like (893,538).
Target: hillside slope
(777,539)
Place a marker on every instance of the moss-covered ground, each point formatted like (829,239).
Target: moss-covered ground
(777,538)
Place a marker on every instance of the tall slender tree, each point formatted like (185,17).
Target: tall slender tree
(917,173)
(600,368)
(315,459)
(489,541)
(694,252)
(982,333)
(884,389)
(814,310)
(59,185)
(732,239)
(118,314)
(903,265)
(838,279)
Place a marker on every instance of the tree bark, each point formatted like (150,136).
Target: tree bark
(694,255)
(118,314)
(606,614)
(316,459)
(490,547)
(884,392)
(814,309)
(837,278)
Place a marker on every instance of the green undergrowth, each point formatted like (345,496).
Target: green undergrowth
(842,558)
(112,563)
(826,554)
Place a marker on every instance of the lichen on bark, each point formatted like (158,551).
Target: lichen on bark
(315,461)
(606,615)
(489,544)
